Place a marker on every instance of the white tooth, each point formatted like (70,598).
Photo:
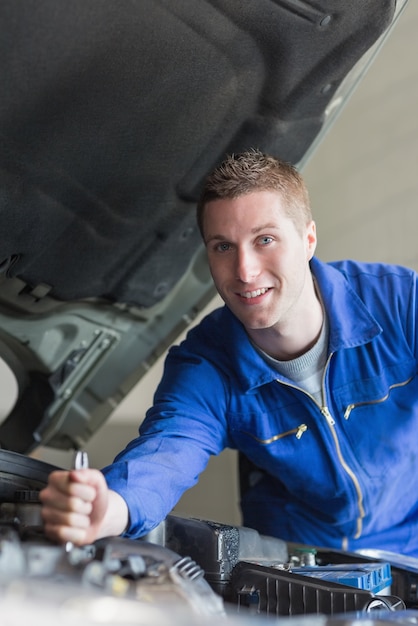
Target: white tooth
(254,294)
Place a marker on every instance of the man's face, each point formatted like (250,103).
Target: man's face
(258,259)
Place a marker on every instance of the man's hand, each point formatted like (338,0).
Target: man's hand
(78,507)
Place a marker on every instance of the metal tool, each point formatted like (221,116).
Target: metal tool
(81,461)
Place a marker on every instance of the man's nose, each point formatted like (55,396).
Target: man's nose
(247,266)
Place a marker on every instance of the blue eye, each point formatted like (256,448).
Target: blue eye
(223,247)
(266,240)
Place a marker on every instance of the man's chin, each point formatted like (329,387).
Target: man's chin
(252,324)
(246,314)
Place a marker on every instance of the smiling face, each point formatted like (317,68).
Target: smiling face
(259,261)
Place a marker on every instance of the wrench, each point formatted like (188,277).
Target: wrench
(81,461)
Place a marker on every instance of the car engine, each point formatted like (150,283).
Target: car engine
(187,570)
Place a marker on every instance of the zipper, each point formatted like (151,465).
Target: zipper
(298,432)
(331,423)
(350,407)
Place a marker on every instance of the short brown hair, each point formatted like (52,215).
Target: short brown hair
(253,170)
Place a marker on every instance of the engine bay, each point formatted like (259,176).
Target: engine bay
(187,568)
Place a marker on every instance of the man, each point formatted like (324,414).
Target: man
(309,370)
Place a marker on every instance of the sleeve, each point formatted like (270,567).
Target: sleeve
(185,425)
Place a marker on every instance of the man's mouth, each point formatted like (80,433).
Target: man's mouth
(255,293)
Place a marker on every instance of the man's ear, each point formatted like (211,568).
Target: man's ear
(311,239)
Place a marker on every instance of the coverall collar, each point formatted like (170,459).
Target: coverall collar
(350,325)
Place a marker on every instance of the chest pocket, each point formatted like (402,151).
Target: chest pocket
(380,422)
(260,433)
(266,418)
(290,447)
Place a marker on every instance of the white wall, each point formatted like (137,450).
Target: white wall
(363,179)
(364,188)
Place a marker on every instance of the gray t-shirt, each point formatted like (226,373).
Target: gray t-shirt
(305,371)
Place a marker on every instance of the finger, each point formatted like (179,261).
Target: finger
(64,534)
(57,509)
(59,480)
(57,517)
(76,498)
(92,477)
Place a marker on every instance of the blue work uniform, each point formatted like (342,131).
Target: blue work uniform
(341,473)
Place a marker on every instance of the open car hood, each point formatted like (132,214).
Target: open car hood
(111,116)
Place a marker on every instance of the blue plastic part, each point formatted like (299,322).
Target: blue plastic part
(372,577)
